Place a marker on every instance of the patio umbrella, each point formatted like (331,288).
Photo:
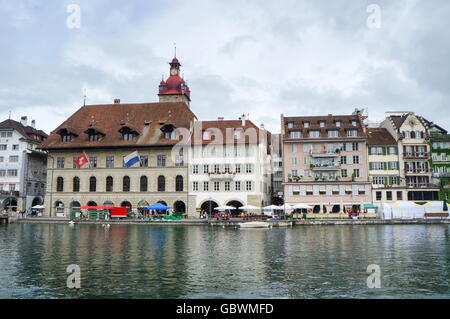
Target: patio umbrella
(158,206)
(302,206)
(249,207)
(38,207)
(224,208)
(271,207)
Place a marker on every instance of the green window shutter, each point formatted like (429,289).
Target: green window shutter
(384,150)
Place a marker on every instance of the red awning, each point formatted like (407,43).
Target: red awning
(97,207)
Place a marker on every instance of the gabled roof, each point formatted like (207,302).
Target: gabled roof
(227,125)
(146,118)
(380,136)
(26,131)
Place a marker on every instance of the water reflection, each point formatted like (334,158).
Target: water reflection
(130,261)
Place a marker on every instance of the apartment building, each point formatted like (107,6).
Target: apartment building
(229,165)
(22,167)
(384,167)
(440,160)
(411,132)
(325,162)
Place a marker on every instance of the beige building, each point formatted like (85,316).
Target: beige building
(108,133)
(325,162)
(384,167)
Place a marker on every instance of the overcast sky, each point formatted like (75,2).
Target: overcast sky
(258,57)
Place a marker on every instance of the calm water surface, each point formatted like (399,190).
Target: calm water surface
(132,261)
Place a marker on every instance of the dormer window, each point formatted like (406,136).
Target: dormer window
(66,134)
(66,138)
(128,133)
(169,132)
(94,134)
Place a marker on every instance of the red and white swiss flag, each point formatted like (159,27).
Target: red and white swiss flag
(81,160)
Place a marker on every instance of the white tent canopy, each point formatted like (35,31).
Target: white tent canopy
(224,208)
(38,207)
(302,206)
(249,207)
(271,207)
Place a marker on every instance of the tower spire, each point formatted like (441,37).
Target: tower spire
(175,49)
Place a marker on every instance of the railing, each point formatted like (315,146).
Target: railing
(10,193)
(322,167)
(221,175)
(421,185)
(325,154)
(417,171)
(416,155)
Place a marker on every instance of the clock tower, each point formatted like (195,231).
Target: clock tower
(174,89)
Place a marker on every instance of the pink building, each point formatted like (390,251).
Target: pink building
(325,162)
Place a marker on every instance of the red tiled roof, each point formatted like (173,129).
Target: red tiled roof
(380,136)
(146,118)
(329,124)
(26,131)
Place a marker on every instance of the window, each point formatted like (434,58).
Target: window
(66,138)
(3,147)
(444,157)
(126,184)
(290,124)
(322,124)
(306,124)
(2,159)
(295,134)
(60,162)
(205,169)
(144,160)
(161,184)
(344,173)
(109,184)
(356,172)
(60,184)
(293,148)
(227,186)
(12,173)
(179,185)
(388,195)
(76,184)
(128,136)
(109,161)
(248,168)
(15,147)
(333,133)
(379,195)
(93,162)
(294,160)
(237,134)
(393,150)
(248,186)
(216,186)
(161,160)
(93,138)
(2,172)
(353,123)
(144,184)
(237,185)
(216,168)
(205,186)
(352,133)
(355,147)
(338,123)
(314,134)
(356,159)
(92,184)
(14,159)
(227,168)
(237,168)
(195,169)
(344,160)
(399,195)
(195,186)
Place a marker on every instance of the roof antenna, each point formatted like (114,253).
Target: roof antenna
(84,98)
(175,48)
(9,114)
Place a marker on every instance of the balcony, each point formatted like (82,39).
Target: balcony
(325,154)
(325,167)
(221,176)
(10,193)
(416,155)
(421,185)
(417,171)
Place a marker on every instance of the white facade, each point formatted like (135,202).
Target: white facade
(234,175)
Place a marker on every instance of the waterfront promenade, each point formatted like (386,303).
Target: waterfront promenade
(234,222)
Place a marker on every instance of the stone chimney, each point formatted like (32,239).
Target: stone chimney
(33,124)
(116,101)
(24,120)
(220,118)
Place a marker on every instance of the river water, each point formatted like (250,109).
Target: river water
(141,261)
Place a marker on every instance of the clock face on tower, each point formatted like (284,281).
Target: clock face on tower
(174,72)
